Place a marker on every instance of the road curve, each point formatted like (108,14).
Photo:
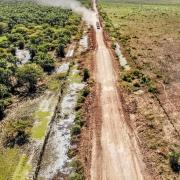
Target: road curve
(116,156)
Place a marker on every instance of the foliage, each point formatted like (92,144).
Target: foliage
(17,132)
(28,75)
(45,61)
(174,161)
(86,75)
(77,167)
(76,129)
(37,28)
(60,51)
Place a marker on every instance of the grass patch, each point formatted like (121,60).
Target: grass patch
(55,81)
(135,80)
(75,77)
(9,159)
(22,169)
(39,129)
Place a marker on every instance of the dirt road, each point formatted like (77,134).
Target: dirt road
(116,156)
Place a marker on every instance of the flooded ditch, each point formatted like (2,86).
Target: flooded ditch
(55,159)
(122,59)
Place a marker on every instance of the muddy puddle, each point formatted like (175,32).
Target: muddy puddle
(122,59)
(64,68)
(84,42)
(55,159)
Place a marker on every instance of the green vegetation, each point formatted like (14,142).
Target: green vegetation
(39,129)
(39,29)
(28,75)
(86,75)
(17,132)
(75,77)
(174,161)
(9,159)
(136,80)
(21,169)
(78,170)
(44,32)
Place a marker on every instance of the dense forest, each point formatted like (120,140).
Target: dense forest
(41,31)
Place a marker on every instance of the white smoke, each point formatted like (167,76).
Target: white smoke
(87,14)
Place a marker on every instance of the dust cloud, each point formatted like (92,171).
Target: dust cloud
(87,14)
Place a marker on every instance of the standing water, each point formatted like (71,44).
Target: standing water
(122,59)
(55,159)
(23,55)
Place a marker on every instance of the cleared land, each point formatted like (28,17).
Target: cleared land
(148,32)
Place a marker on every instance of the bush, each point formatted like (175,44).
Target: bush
(60,51)
(3,27)
(78,119)
(173,159)
(28,75)
(76,176)
(17,132)
(3,91)
(152,89)
(45,61)
(85,91)
(77,166)
(21,44)
(3,104)
(127,78)
(13,51)
(86,75)
(75,130)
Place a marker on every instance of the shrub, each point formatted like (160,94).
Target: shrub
(145,80)
(28,75)
(173,159)
(85,91)
(3,104)
(17,132)
(76,176)
(60,51)
(21,44)
(152,89)
(3,27)
(75,130)
(13,51)
(127,78)
(77,166)
(3,91)
(78,119)
(45,61)
(86,75)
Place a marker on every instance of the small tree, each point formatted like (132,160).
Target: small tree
(86,74)
(45,61)
(28,75)
(60,51)
(3,27)
(3,91)
(21,45)
(173,158)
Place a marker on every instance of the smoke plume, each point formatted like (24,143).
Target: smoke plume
(87,14)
